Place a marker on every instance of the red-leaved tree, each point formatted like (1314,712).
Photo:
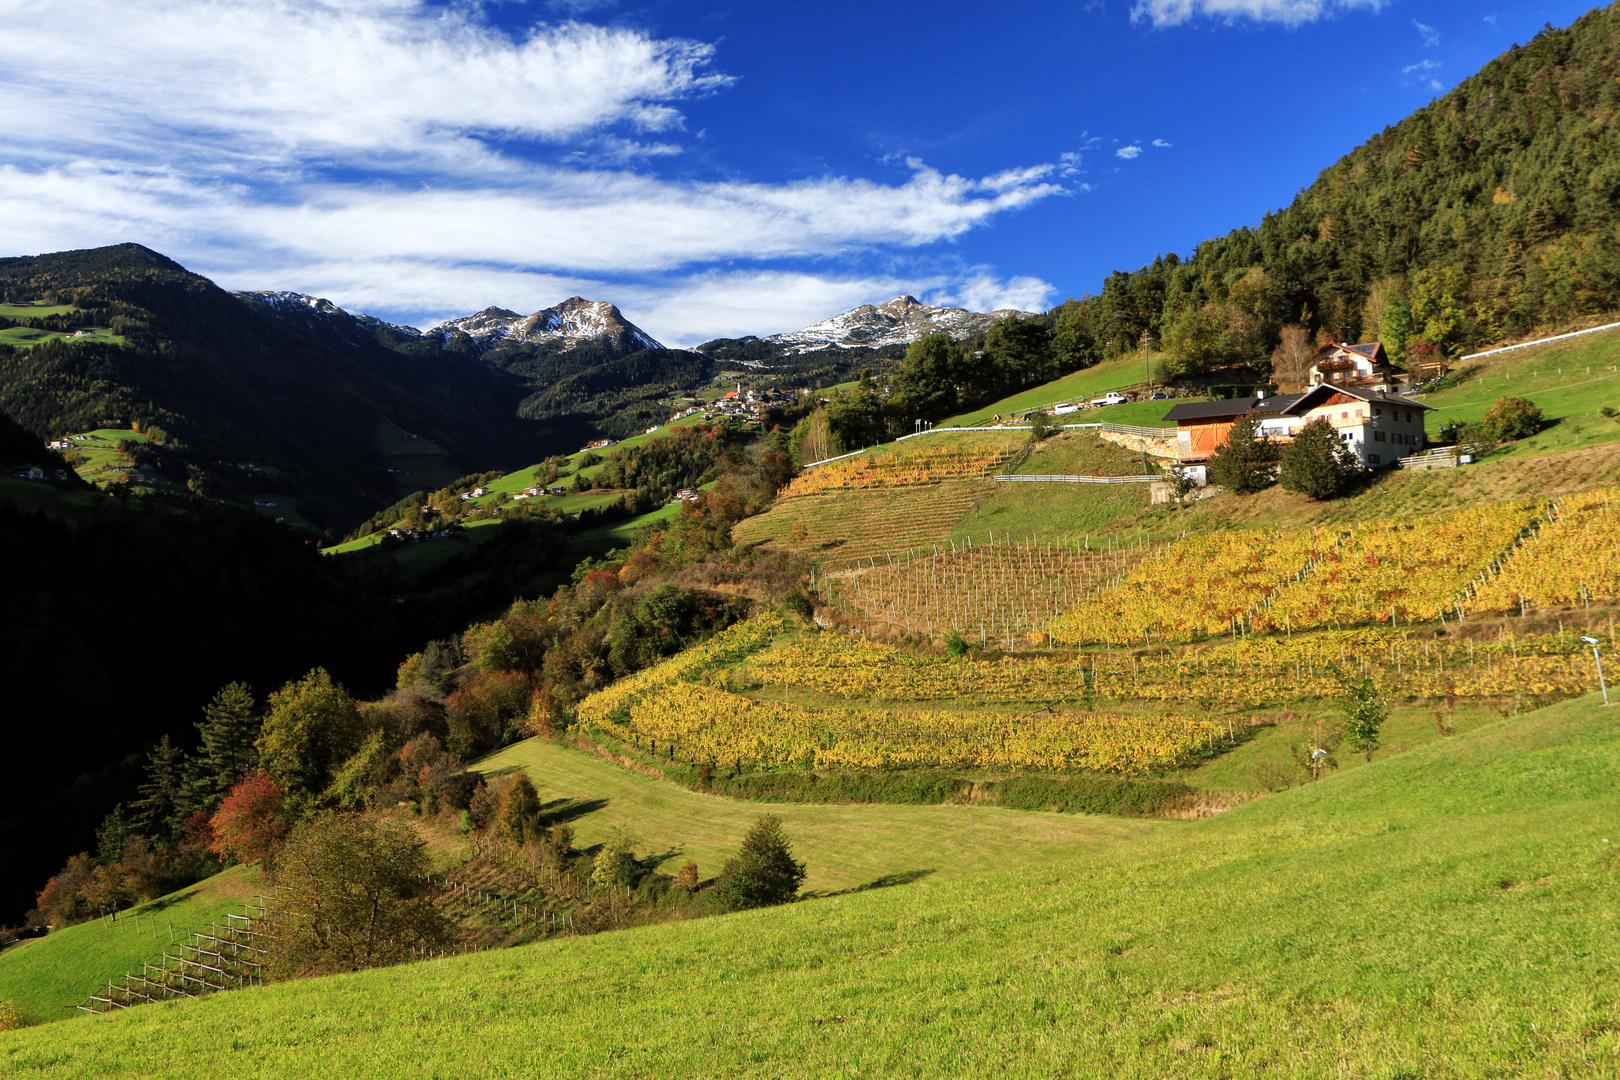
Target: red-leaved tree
(248,826)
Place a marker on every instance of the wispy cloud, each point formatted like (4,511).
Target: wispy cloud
(414,161)
(1431,36)
(1287,12)
(1161,144)
(1128,152)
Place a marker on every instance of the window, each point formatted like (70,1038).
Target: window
(1378,436)
(1378,412)
(1372,459)
(1408,418)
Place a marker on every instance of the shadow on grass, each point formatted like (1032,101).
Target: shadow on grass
(559,811)
(167,902)
(903,877)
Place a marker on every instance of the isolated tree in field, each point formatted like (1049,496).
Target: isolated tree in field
(764,871)
(1512,418)
(312,727)
(250,824)
(520,807)
(354,894)
(1246,462)
(1318,463)
(1364,712)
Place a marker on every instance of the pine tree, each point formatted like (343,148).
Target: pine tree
(1318,463)
(229,729)
(1247,461)
(764,871)
(164,802)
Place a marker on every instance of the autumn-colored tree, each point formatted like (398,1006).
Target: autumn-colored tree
(1291,359)
(249,825)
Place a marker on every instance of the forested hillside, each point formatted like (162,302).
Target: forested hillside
(1494,210)
(222,386)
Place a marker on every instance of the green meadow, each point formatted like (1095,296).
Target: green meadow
(45,978)
(1445,912)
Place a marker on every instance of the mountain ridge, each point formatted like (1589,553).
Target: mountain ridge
(900,321)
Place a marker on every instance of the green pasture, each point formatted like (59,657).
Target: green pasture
(46,977)
(845,846)
(286,509)
(1074,389)
(26,337)
(34,311)
(31,496)
(1448,912)
(418,464)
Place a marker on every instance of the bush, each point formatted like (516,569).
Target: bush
(764,871)
(1512,418)
(919,788)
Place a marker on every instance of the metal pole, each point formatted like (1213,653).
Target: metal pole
(1598,659)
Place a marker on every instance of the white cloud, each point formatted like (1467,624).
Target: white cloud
(251,87)
(1421,65)
(1288,12)
(417,163)
(1128,152)
(1436,85)
(1161,144)
(984,292)
(1431,36)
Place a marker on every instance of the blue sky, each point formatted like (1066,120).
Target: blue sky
(715,168)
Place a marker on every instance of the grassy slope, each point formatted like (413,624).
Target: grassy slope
(846,847)
(1445,912)
(46,977)
(23,337)
(1076,388)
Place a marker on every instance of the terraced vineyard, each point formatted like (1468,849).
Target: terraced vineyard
(1239,673)
(1573,558)
(991,593)
(1288,580)
(907,466)
(844,530)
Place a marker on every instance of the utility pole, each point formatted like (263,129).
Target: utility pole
(1147,352)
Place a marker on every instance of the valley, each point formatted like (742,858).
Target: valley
(1205,676)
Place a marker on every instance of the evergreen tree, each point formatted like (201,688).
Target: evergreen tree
(229,729)
(164,801)
(764,871)
(1247,461)
(1318,463)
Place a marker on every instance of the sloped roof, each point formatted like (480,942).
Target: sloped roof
(1212,410)
(1299,405)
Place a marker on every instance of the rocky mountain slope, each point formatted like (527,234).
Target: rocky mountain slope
(898,322)
(565,326)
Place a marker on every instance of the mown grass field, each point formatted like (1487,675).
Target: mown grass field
(1447,912)
(46,977)
(847,847)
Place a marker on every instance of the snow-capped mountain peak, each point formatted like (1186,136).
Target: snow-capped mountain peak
(569,323)
(898,322)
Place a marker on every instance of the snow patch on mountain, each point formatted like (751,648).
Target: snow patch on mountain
(901,321)
(309,308)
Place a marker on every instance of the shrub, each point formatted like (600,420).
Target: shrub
(1088,795)
(10,1020)
(1512,418)
(764,871)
